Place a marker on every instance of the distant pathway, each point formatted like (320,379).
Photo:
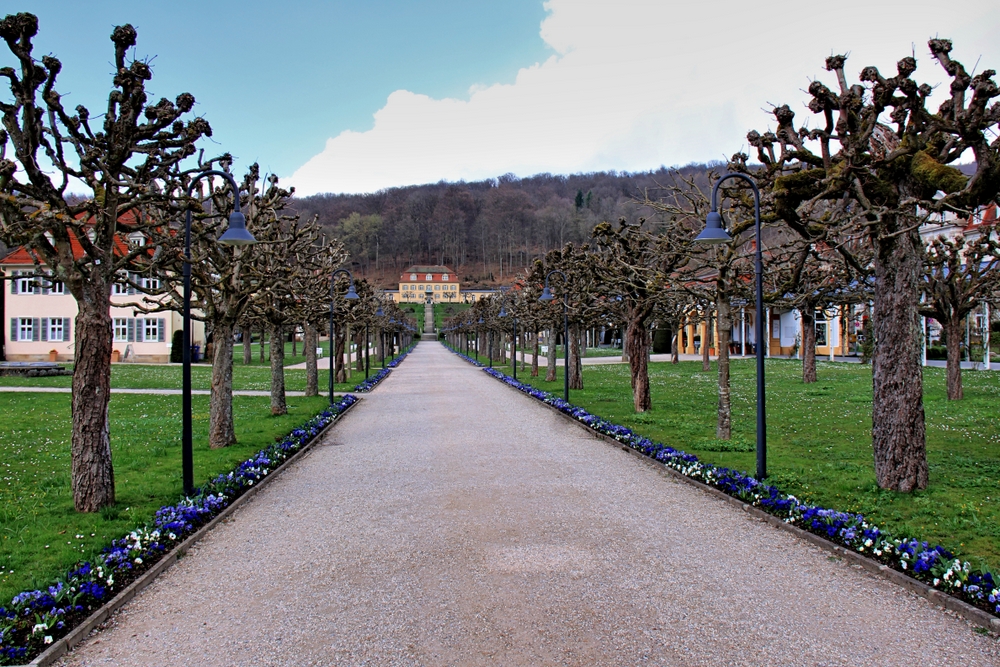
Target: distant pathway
(449,520)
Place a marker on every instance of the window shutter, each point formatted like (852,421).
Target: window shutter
(140,330)
(67,324)
(131,330)
(13,286)
(45,329)
(13,329)
(132,279)
(36,325)
(162,330)
(36,286)
(45,285)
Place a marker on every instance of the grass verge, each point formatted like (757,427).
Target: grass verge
(819,441)
(41,535)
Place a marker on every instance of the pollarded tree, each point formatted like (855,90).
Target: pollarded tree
(883,157)
(129,159)
(293,254)
(633,264)
(224,279)
(959,274)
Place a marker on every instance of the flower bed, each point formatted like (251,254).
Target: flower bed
(467,358)
(369,384)
(36,618)
(933,565)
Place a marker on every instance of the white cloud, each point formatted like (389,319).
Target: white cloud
(636,84)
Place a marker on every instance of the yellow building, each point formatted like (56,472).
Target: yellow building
(420,284)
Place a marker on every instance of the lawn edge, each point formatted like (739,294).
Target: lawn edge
(65,644)
(965,610)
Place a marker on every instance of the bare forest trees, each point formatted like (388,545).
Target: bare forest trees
(129,158)
(882,157)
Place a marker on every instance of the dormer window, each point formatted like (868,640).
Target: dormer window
(413,276)
(444,276)
(429,277)
(136,240)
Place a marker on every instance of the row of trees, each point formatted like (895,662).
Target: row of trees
(845,203)
(137,161)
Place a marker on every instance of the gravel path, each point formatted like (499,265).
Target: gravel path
(449,520)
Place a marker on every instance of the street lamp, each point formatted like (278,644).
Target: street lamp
(235,235)
(381,336)
(547,296)
(503,313)
(352,295)
(715,233)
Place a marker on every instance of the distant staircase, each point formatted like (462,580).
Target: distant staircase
(428,318)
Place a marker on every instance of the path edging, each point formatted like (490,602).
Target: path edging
(964,609)
(80,632)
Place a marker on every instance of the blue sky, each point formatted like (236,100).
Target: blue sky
(353,97)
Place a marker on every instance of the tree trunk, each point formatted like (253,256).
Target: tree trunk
(278,406)
(550,358)
(898,430)
(636,344)
(92,470)
(295,346)
(675,346)
(534,357)
(311,342)
(706,365)
(808,343)
(523,345)
(723,427)
(247,346)
(263,337)
(575,374)
(359,344)
(221,430)
(338,357)
(953,340)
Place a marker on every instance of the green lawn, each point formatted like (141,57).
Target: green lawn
(442,312)
(819,440)
(168,376)
(41,535)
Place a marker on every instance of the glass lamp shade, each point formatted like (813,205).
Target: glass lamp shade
(546,294)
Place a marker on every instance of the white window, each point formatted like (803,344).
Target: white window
(25,285)
(413,276)
(57,287)
(821,327)
(136,240)
(406,287)
(119,288)
(56,330)
(150,283)
(421,288)
(452,287)
(437,287)
(121,330)
(151,330)
(444,276)
(25,331)
(429,277)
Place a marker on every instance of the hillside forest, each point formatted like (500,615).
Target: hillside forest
(488,231)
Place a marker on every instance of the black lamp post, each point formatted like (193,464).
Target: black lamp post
(381,336)
(503,313)
(547,296)
(352,295)
(714,233)
(236,235)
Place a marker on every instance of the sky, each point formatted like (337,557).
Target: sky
(348,97)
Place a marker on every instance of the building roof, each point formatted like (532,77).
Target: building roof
(428,269)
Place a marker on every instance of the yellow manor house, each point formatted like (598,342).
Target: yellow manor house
(437,284)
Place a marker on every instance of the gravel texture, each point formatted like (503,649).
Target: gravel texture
(449,520)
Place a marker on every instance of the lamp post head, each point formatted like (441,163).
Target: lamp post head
(351,294)
(480,320)
(546,294)
(237,233)
(379,313)
(713,233)
(503,312)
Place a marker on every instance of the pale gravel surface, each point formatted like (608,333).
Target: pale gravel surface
(450,520)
